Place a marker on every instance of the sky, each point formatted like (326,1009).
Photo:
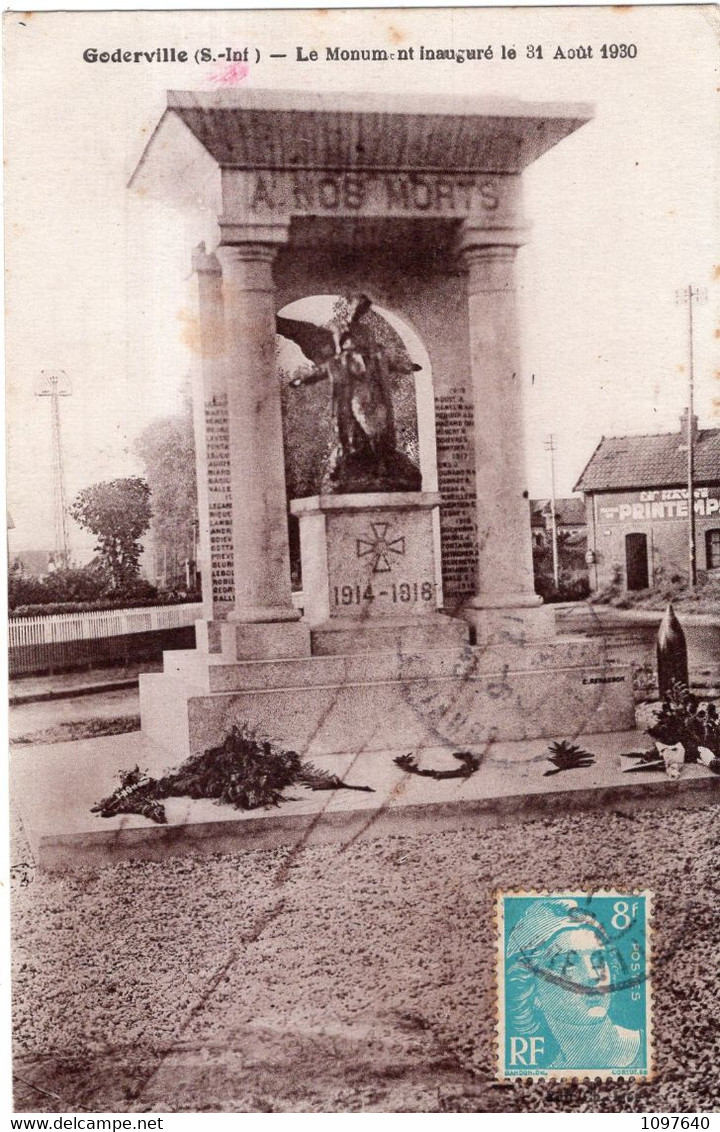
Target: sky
(623,213)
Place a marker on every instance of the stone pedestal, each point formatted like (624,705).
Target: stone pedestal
(368,557)
(230,641)
(371,573)
(514,625)
(378,700)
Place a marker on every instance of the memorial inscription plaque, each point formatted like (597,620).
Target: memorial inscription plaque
(368,557)
(219,503)
(454,425)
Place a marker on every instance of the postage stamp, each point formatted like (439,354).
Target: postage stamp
(573,987)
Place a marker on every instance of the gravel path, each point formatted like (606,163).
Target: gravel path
(355,979)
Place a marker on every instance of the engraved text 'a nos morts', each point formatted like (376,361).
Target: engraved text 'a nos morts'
(366,193)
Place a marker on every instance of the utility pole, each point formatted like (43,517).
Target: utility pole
(55,386)
(550,447)
(691,295)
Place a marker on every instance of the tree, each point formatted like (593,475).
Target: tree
(167,450)
(118,513)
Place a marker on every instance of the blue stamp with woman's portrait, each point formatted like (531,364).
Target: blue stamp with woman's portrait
(574,984)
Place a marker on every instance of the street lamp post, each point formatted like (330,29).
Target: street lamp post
(691,295)
(56,385)
(550,447)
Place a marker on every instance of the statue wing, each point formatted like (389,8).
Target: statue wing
(403,366)
(362,306)
(316,342)
(398,360)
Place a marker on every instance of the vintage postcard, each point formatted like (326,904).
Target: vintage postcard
(363,506)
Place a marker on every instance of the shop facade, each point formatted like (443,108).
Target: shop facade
(636,499)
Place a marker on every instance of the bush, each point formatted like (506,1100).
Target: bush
(118,513)
(571,587)
(608,594)
(50,608)
(80,591)
(86,584)
(574,584)
(704,598)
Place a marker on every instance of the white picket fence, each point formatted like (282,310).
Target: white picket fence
(100,623)
(36,642)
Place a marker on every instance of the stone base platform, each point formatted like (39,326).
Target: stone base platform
(54,787)
(516,624)
(339,637)
(232,641)
(325,705)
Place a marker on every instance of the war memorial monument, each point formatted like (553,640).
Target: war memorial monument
(418,622)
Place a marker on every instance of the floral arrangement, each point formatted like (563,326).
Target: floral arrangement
(245,771)
(685,730)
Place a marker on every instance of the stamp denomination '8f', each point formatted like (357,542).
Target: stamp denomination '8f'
(574,984)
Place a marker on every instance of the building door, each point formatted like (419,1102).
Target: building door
(712,548)
(636,561)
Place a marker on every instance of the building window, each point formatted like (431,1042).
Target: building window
(712,549)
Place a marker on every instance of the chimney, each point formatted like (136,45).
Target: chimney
(684,424)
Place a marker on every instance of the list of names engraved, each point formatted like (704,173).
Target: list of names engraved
(454,423)
(219,503)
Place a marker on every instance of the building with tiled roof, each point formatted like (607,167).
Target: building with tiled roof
(636,500)
(569,516)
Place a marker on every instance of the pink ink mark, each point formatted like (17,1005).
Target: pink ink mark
(232,74)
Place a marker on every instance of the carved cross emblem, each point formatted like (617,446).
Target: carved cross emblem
(381,547)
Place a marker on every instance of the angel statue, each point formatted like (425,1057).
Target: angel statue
(365,456)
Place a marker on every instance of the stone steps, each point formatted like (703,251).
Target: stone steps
(331,708)
(214,674)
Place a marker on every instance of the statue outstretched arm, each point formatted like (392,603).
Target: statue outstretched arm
(317,373)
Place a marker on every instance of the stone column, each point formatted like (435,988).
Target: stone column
(503,514)
(261,560)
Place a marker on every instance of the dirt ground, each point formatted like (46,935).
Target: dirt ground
(77,717)
(343,978)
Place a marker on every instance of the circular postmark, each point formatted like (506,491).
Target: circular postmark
(515,687)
